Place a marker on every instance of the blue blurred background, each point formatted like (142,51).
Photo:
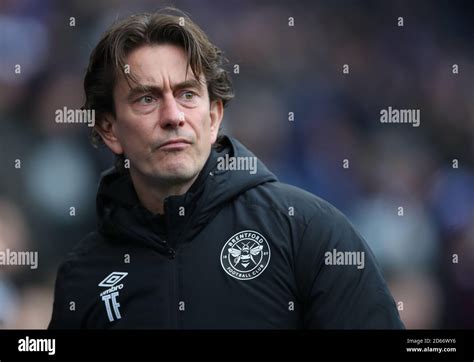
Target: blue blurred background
(282,69)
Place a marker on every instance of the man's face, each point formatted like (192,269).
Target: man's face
(166,124)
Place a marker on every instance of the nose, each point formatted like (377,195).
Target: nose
(170,114)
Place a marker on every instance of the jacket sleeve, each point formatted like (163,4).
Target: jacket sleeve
(64,314)
(335,293)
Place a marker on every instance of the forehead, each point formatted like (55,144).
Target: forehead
(159,64)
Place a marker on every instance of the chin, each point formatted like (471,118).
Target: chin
(178,172)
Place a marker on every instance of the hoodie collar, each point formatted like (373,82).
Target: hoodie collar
(121,215)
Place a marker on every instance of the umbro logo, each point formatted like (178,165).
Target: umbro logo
(112,279)
(109,296)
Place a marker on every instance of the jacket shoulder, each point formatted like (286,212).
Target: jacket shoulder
(89,244)
(285,198)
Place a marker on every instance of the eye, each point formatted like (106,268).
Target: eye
(145,100)
(188,95)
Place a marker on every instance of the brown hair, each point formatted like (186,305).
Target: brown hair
(169,26)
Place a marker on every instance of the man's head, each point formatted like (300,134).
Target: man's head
(158,88)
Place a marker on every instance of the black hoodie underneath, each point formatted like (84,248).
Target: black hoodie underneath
(238,250)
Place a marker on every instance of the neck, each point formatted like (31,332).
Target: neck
(152,194)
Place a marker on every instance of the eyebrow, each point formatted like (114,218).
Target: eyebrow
(145,88)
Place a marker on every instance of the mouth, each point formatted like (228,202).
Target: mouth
(174,144)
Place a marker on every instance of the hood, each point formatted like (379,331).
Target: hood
(122,217)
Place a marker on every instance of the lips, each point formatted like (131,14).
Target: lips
(175,144)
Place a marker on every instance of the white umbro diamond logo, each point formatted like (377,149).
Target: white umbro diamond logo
(112,279)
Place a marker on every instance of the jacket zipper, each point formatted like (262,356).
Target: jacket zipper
(174,300)
(174,295)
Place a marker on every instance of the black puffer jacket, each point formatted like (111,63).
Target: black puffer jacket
(238,250)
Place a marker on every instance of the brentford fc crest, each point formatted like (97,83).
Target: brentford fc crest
(245,255)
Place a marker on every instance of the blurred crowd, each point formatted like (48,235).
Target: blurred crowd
(426,251)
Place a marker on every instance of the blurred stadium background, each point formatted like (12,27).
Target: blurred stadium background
(282,69)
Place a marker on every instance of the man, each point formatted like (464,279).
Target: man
(186,238)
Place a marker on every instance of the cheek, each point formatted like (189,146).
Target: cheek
(133,134)
(203,127)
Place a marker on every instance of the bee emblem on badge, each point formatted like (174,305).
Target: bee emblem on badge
(245,254)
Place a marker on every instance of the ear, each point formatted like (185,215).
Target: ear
(106,127)
(216,112)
